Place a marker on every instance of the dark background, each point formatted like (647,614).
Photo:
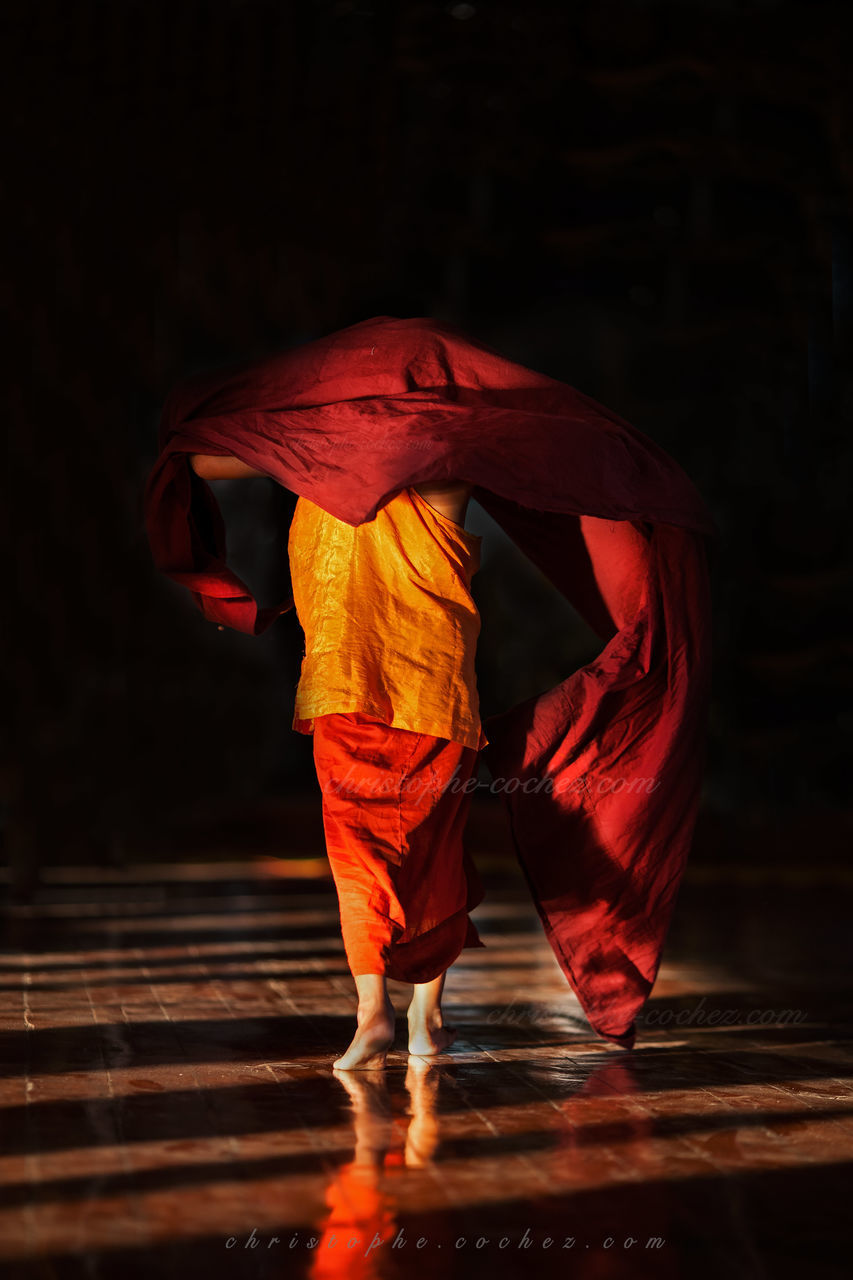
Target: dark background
(650,201)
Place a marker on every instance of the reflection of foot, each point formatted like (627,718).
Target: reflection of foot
(375,1035)
(428,1034)
(371,1115)
(422,1134)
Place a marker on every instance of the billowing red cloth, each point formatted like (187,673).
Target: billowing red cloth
(612,757)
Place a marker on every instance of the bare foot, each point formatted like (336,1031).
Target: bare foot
(375,1035)
(428,1033)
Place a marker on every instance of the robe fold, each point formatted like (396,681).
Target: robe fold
(601,775)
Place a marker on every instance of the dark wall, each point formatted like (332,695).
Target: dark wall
(651,201)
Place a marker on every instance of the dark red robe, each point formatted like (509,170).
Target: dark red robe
(612,757)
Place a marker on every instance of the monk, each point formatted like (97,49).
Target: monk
(388,690)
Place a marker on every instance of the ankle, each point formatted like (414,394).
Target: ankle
(425,1017)
(369,1009)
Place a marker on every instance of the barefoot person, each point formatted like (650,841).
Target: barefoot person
(388,689)
(600,775)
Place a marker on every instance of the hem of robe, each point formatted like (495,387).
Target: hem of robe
(470,735)
(429,954)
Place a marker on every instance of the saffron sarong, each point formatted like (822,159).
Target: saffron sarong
(395,804)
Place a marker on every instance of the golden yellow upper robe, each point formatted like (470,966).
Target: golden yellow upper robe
(390,624)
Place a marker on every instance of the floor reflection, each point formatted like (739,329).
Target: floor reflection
(360,1224)
(168,1103)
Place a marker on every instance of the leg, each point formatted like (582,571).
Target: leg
(427,1031)
(405,884)
(375,1019)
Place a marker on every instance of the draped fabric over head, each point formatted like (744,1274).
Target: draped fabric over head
(601,774)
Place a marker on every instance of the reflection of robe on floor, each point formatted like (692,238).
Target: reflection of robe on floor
(358,1210)
(361,1206)
(388,689)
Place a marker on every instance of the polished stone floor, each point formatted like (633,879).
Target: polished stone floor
(169,1108)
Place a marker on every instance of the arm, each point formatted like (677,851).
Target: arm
(450,497)
(212,467)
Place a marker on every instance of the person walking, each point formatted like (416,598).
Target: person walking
(388,690)
(600,775)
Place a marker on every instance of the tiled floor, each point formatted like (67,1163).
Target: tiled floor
(168,1104)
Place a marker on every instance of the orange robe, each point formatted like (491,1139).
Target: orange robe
(388,689)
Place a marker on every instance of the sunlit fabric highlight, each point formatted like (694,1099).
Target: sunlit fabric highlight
(390,624)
